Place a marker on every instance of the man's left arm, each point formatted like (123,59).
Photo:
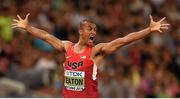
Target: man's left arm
(110,47)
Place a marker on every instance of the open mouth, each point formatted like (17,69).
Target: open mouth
(91,38)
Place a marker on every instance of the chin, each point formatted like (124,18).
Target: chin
(91,44)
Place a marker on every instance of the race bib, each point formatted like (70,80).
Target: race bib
(74,80)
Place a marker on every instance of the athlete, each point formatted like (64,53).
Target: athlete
(83,57)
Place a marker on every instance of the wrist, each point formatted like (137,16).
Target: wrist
(150,29)
(26,27)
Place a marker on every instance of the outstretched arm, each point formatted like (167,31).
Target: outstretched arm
(41,34)
(108,48)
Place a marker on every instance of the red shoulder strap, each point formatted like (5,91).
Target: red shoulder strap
(69,50)
(88,50)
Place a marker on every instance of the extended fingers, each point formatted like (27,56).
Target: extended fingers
(164,28)
(27,16)
(160,31)
(14,25)
(19,17)
(165,24)
(15,20)
(151,19)
(162,19)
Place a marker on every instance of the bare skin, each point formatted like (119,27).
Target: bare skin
(99,51)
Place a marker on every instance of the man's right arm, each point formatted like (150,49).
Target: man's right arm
(41,34)
(55,42)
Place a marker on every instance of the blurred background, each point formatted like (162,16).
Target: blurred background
(150,67)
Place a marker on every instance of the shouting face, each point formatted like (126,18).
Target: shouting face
(87,32)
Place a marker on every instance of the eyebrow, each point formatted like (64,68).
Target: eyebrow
(91,27)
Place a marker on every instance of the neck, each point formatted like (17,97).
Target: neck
(80,47)
(81,44)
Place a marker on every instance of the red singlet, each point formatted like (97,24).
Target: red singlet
(79,75)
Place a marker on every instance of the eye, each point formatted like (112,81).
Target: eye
(89,28)
(95,29)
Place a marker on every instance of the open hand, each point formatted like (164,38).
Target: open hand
(158,26)
(20,23)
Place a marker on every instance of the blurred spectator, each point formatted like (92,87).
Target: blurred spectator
(5,22)
(46,62)
(146,68)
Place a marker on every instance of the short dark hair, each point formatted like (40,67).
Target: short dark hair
(85,21)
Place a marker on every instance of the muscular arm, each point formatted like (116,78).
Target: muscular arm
(104,49)
(41,34)
(112,46)
(108,48)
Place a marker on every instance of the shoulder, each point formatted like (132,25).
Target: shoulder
(102,49)
(97,49)
(98,46)
(67,44)
(97,53)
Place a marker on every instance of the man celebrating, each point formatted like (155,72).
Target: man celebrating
(83,57)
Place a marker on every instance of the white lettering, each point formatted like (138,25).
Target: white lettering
(74,73)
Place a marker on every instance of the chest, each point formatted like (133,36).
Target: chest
(78,61)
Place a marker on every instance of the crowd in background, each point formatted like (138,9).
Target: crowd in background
(145,68)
